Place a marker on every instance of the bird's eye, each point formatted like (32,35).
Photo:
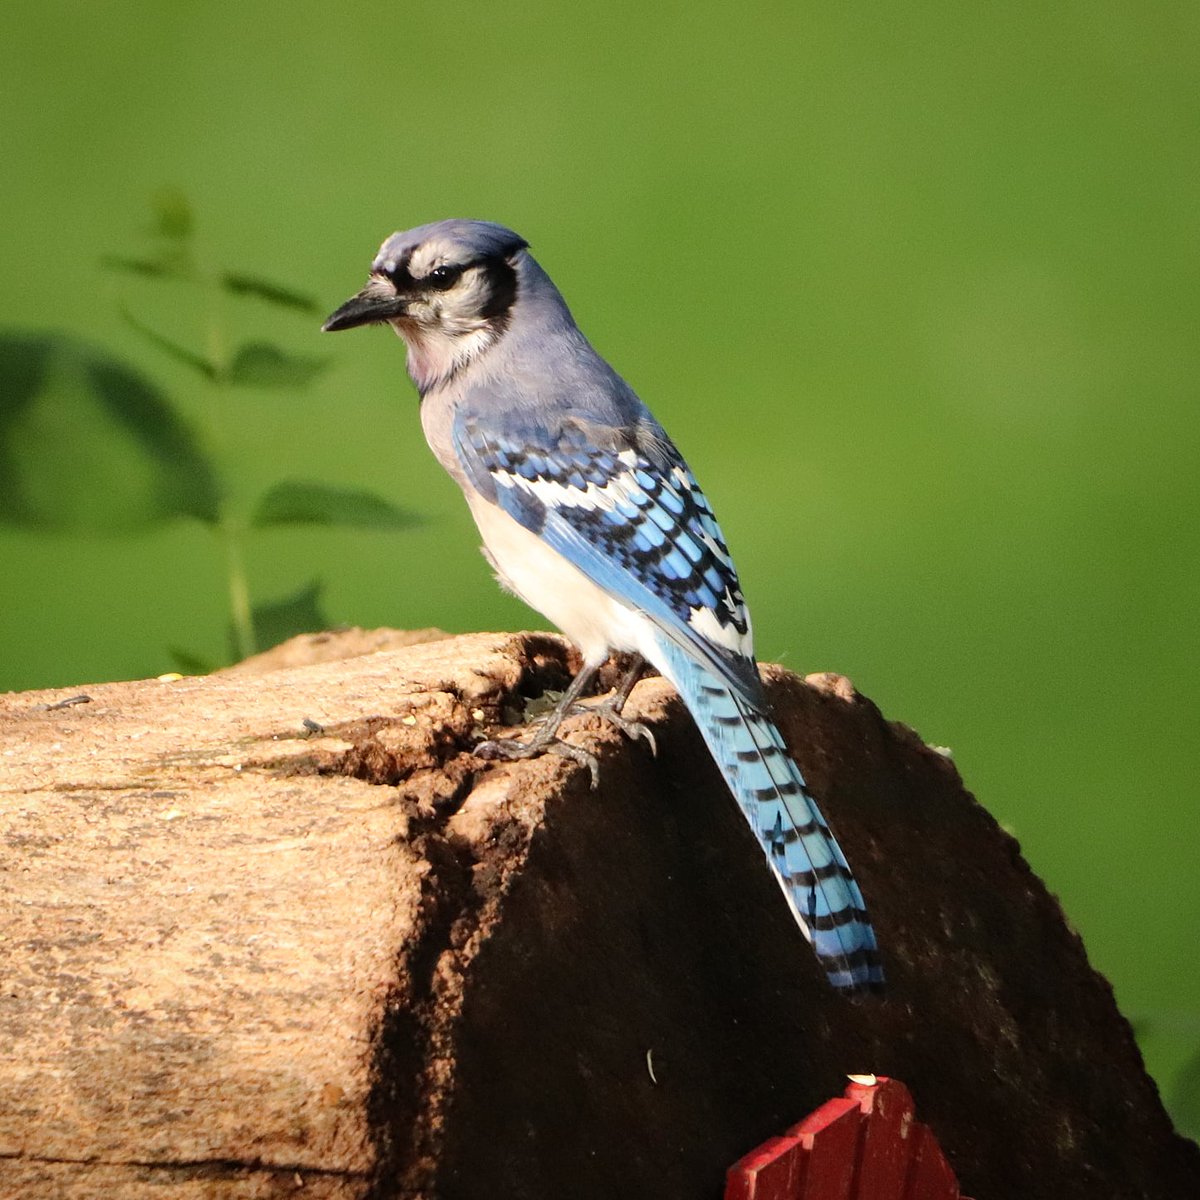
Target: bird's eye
(443,277)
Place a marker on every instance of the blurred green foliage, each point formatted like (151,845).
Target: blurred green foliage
(88,445)
(915,289)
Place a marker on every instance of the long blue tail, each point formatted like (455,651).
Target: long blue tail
(771,792)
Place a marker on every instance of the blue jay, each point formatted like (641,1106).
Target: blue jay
(590,515)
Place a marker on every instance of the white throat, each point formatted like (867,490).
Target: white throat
(434,354)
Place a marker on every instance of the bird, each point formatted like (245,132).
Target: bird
(589,513)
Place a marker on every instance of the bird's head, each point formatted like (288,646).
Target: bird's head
(446,288)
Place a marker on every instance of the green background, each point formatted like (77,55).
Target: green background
(914,287)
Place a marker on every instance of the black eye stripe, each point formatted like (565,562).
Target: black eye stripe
(399,276)
(500,276)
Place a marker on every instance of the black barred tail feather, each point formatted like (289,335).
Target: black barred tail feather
(771,792)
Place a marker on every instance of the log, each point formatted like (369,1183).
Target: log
(278,932)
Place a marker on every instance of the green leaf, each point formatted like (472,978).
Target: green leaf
(87,444)
(187,663)
(282,619)
(272,293)
(258,364)
(180,353)
(300,503)
(161,266)
(172,214)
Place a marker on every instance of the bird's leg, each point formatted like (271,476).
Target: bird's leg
(616,702)
(610,708)
(546,740)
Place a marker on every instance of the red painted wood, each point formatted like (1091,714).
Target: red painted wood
(930,1177)
(830,1111)
(768,1173)
(887,1145)
(830,1139)
(863,1146)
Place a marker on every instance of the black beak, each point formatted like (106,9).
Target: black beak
(376,303)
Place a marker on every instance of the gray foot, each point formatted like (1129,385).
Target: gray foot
(610,710)
(510,750)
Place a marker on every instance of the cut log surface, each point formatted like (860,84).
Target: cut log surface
(279,932)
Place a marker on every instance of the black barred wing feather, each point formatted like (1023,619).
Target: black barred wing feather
(632,517)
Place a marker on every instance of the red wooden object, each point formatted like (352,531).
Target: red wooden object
(929,1173)
(887,1144)
(766,1173)
(867,1146)
(830,1138)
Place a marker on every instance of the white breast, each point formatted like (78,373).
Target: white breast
(546,581)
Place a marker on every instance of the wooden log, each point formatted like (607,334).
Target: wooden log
(283,934)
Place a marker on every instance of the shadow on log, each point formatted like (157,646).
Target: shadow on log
(280,933)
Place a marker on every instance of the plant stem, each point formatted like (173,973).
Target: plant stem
(231,530)
(239,590)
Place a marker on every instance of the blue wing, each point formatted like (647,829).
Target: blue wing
(624,508)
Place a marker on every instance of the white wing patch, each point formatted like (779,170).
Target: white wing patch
(555,494)
(709,626)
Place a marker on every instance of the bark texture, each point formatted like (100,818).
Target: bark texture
(278,932)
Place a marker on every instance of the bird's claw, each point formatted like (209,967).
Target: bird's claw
(631,729)
(577,755)
(510,750)
(505,750)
